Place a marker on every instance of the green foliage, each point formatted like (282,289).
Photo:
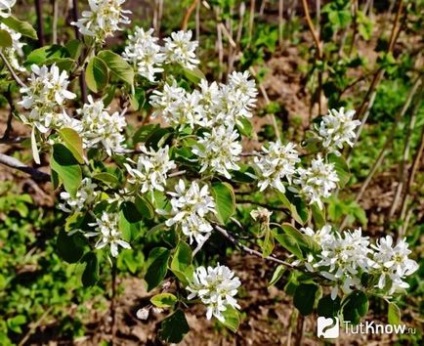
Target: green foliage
(304,298)
(354,307)
(174,327)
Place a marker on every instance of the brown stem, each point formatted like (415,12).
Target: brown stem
(113,301)
(9,129)
(40,22)
(188,13)
(75,17)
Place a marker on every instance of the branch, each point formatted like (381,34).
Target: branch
(250,251)
(12,72)
(36,174)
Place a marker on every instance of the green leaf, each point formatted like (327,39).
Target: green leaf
(174,327)
(231,319)
(73,142)
(181,263)
(46,55)
(304,298)
(194,75)
(225,201)
(393,314)
(118,66)
(157,267)
(70,247)
(267,244)
(107,178)
(354,307)
(164,300)
(74,48)
(15,323)
(158,138)
(144,132)
(66,166)
(144,207)
(90,274)
(96,74)
(328,307)
(5,39)
(131,212)
(341,168)
(305,242)
(246,127)
(289,243)
(24,28)
(276,276)
(318,215)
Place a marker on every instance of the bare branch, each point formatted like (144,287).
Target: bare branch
(36,174)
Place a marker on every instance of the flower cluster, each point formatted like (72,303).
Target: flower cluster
(344,257)
(219,150)
(214,105)
(107,229)
(190,209)
(46,92)
(392,263)
(97,126)
(147,56)
(85,197)
(277,163)
(6,7)
(152,169)
(180,49)
(317,181)
(216,288)
(144,54)
(337,128)
(15,50)
(103,19)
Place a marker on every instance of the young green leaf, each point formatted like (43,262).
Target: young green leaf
(304,298)
(276,276)
(225,201)
(354,307)
(96,74)
(231,319)
(181,263)
(73,142)
(90,274)
(118,66)
(24,28)
(174,327)
(157,267)
(66,166)
(164,300)
(5,39)
(70,248)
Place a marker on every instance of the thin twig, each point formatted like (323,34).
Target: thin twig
(9,129)
(36,174)
(12,72)
(247,249)
(55,5)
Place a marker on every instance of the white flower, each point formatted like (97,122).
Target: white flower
(278,163)
(317,181)
(262,215)
(47,90)
(103,19)
(393,262)
(107,228)
(85,197)
(152,169)
(337,128)
(219,150)
(190,208)
(144,54)
(181,50)
(216,288)
(245,87)
(6,8)
(100,127)
(322,236)
(343,258)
